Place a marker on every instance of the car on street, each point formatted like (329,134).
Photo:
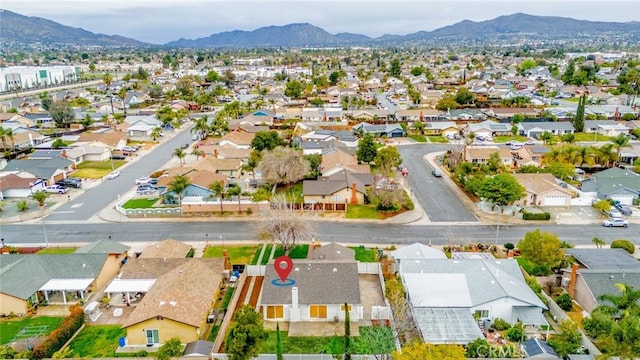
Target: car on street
(114,174)
(70,182)
(615,222)
(56,189)
(436,173)
(624,209)
(142,180)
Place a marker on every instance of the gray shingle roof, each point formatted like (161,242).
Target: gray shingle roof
(42,168)
(103,247)
(317,282)
(602,282)
(611,181)
(332,251)
(557,125)
(22,275)
(599,259)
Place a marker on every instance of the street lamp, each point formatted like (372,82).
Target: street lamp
(498,225)
(44,230)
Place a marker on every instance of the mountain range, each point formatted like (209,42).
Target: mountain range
(31,30)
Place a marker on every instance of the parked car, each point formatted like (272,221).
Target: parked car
(436,173)
(114,174)
(70,182)
(615,223)
(530,142)
(613,213)
(56,189)
(118,157)
(153,181)
(624,209)
(130,149)
(142,180)
(195,137)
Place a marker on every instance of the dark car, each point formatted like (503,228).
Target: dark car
(70,182)
(624,209)
(153,181)
(118,157)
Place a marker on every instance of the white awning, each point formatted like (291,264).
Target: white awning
(91,307)
(130,285)
(66,285)
(530,315)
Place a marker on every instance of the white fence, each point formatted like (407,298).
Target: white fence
(369,268)
(255,270)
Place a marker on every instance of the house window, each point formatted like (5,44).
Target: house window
(342,307)
(482,314)
(336,198)
(318,311)
(153,336)
(275,312)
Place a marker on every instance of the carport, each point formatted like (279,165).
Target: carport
(76,287)
(128,287)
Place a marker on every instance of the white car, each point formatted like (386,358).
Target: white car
(113,175)
(142,180)
(617,222)
(56,189)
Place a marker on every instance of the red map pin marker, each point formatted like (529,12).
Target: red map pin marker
(283,266)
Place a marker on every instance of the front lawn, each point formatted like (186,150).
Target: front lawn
(583,137)
(141,203)
(57,250)
(237,254)
(438,139)
(294,345)
(364,254)
(363,212)
(418,138)
(267,253)
(9,328)
(504,139)
(299,252)
(526,264)
(320,344)
(97,341)
(96,169)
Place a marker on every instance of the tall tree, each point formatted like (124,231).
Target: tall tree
(107,79)
(281,224)
(395,69)
(218,190)
(278,343)
(347,333)
(578,120)
(178,185)
(367,150)
(293,89)
(387,159)
(502,189)
(619,142)
(200,127)
(180,154)
(62,113)
(283,166)
(541,247)
(245,335)
(235,190)
(266,140)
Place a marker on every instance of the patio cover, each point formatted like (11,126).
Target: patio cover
(130,285)
(66,284)
(530,315)
(447,325)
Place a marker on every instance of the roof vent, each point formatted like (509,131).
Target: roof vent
(84,265)
(335,270)
(173,303)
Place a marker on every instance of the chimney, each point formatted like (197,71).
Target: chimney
(225,255)
(572,281)
(354,198)
(215,153)
(294,298)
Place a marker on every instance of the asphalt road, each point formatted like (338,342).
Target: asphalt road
(439,202)
(89,203)
(327,231)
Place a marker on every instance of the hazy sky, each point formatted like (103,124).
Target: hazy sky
(161,21)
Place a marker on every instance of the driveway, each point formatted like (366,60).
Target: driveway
(439,202)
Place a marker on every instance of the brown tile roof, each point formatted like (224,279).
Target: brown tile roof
(213,164)
(239,137)
(204,178)
(109,138)
(540,183)
(13,181)
(166,249)
(337,158)
(184,293)
(484,152)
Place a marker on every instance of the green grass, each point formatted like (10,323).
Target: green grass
(227,298)
(504,139)
(526,264)
(267,253)
(57,250)
(438,139)
(97,341)
(279,251)
(140,203)
(573,99)
(9,328)
(237,254)
(363,212)
(580,137)
(299,252)
(418,138)
(365,254)
(213,333)
(293,193)
(257,255)
(320,344)
(96,169)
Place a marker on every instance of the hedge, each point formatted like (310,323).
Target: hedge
(536,216)
(623,244)
(61,335)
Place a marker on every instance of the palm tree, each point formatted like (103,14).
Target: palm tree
(419,127)
(605,155)
(9,133)
(180,154)
(218,190)
(178,185)
(122,94)
(619,142)
(598,242)
(235,190)
(40,197)
(273,104)
(107,79)
(201,127)
(3,137)
(155,133)
(546,137)
(626,302)
(197,152)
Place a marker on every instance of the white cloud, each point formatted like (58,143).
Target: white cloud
(160,21)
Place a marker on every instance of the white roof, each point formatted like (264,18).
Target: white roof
(452,290)
(130,285)
(66,284)
(418,251)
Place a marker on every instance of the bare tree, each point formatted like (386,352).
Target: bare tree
(282,224)
(403,325)
(283,166)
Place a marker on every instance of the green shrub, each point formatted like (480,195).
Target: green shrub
(61,335)
(22,205)
(249,211)
(564,301)
(515,333)
(509,246)
(536,216)
(408,204)
(500,324)
(533,284)
(191,252)
(623,244)
(541,270)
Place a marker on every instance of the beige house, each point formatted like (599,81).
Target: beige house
(543,190)
(482,154)
(343,187)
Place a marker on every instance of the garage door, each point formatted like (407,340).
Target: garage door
(626,199)
(554,201)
